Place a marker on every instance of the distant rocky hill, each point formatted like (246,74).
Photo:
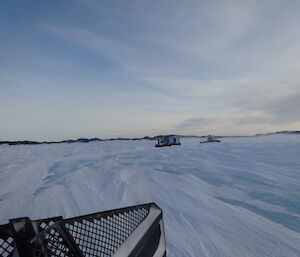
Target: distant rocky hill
(280,132)
(87,140)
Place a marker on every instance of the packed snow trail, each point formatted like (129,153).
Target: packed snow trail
(240,197)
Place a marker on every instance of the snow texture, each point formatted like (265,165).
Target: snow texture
(240,197)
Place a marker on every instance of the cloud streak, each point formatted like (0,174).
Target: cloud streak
(172,66)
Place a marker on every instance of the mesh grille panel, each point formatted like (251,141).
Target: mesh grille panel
(6,245)
(43,225)
(102,236)
(54,245)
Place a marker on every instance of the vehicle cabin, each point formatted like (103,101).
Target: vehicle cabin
(168,141)
(210,139)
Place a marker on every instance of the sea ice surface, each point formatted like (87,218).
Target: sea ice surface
(240,197)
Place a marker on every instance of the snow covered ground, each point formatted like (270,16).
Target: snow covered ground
(240,197)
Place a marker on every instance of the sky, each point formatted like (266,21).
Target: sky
(107,68)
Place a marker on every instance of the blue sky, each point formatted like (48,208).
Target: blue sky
(99,68)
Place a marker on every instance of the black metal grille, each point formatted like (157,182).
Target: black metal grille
(54,244)
(41,225)
(6,245)
(119,232)
(45,225)
(102,236)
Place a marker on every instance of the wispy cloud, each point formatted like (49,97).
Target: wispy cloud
(198,87)
(122,54)
(192,66)
(267,114)
(198,123)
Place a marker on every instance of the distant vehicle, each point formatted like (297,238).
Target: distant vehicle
(168,141)
(210,139)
